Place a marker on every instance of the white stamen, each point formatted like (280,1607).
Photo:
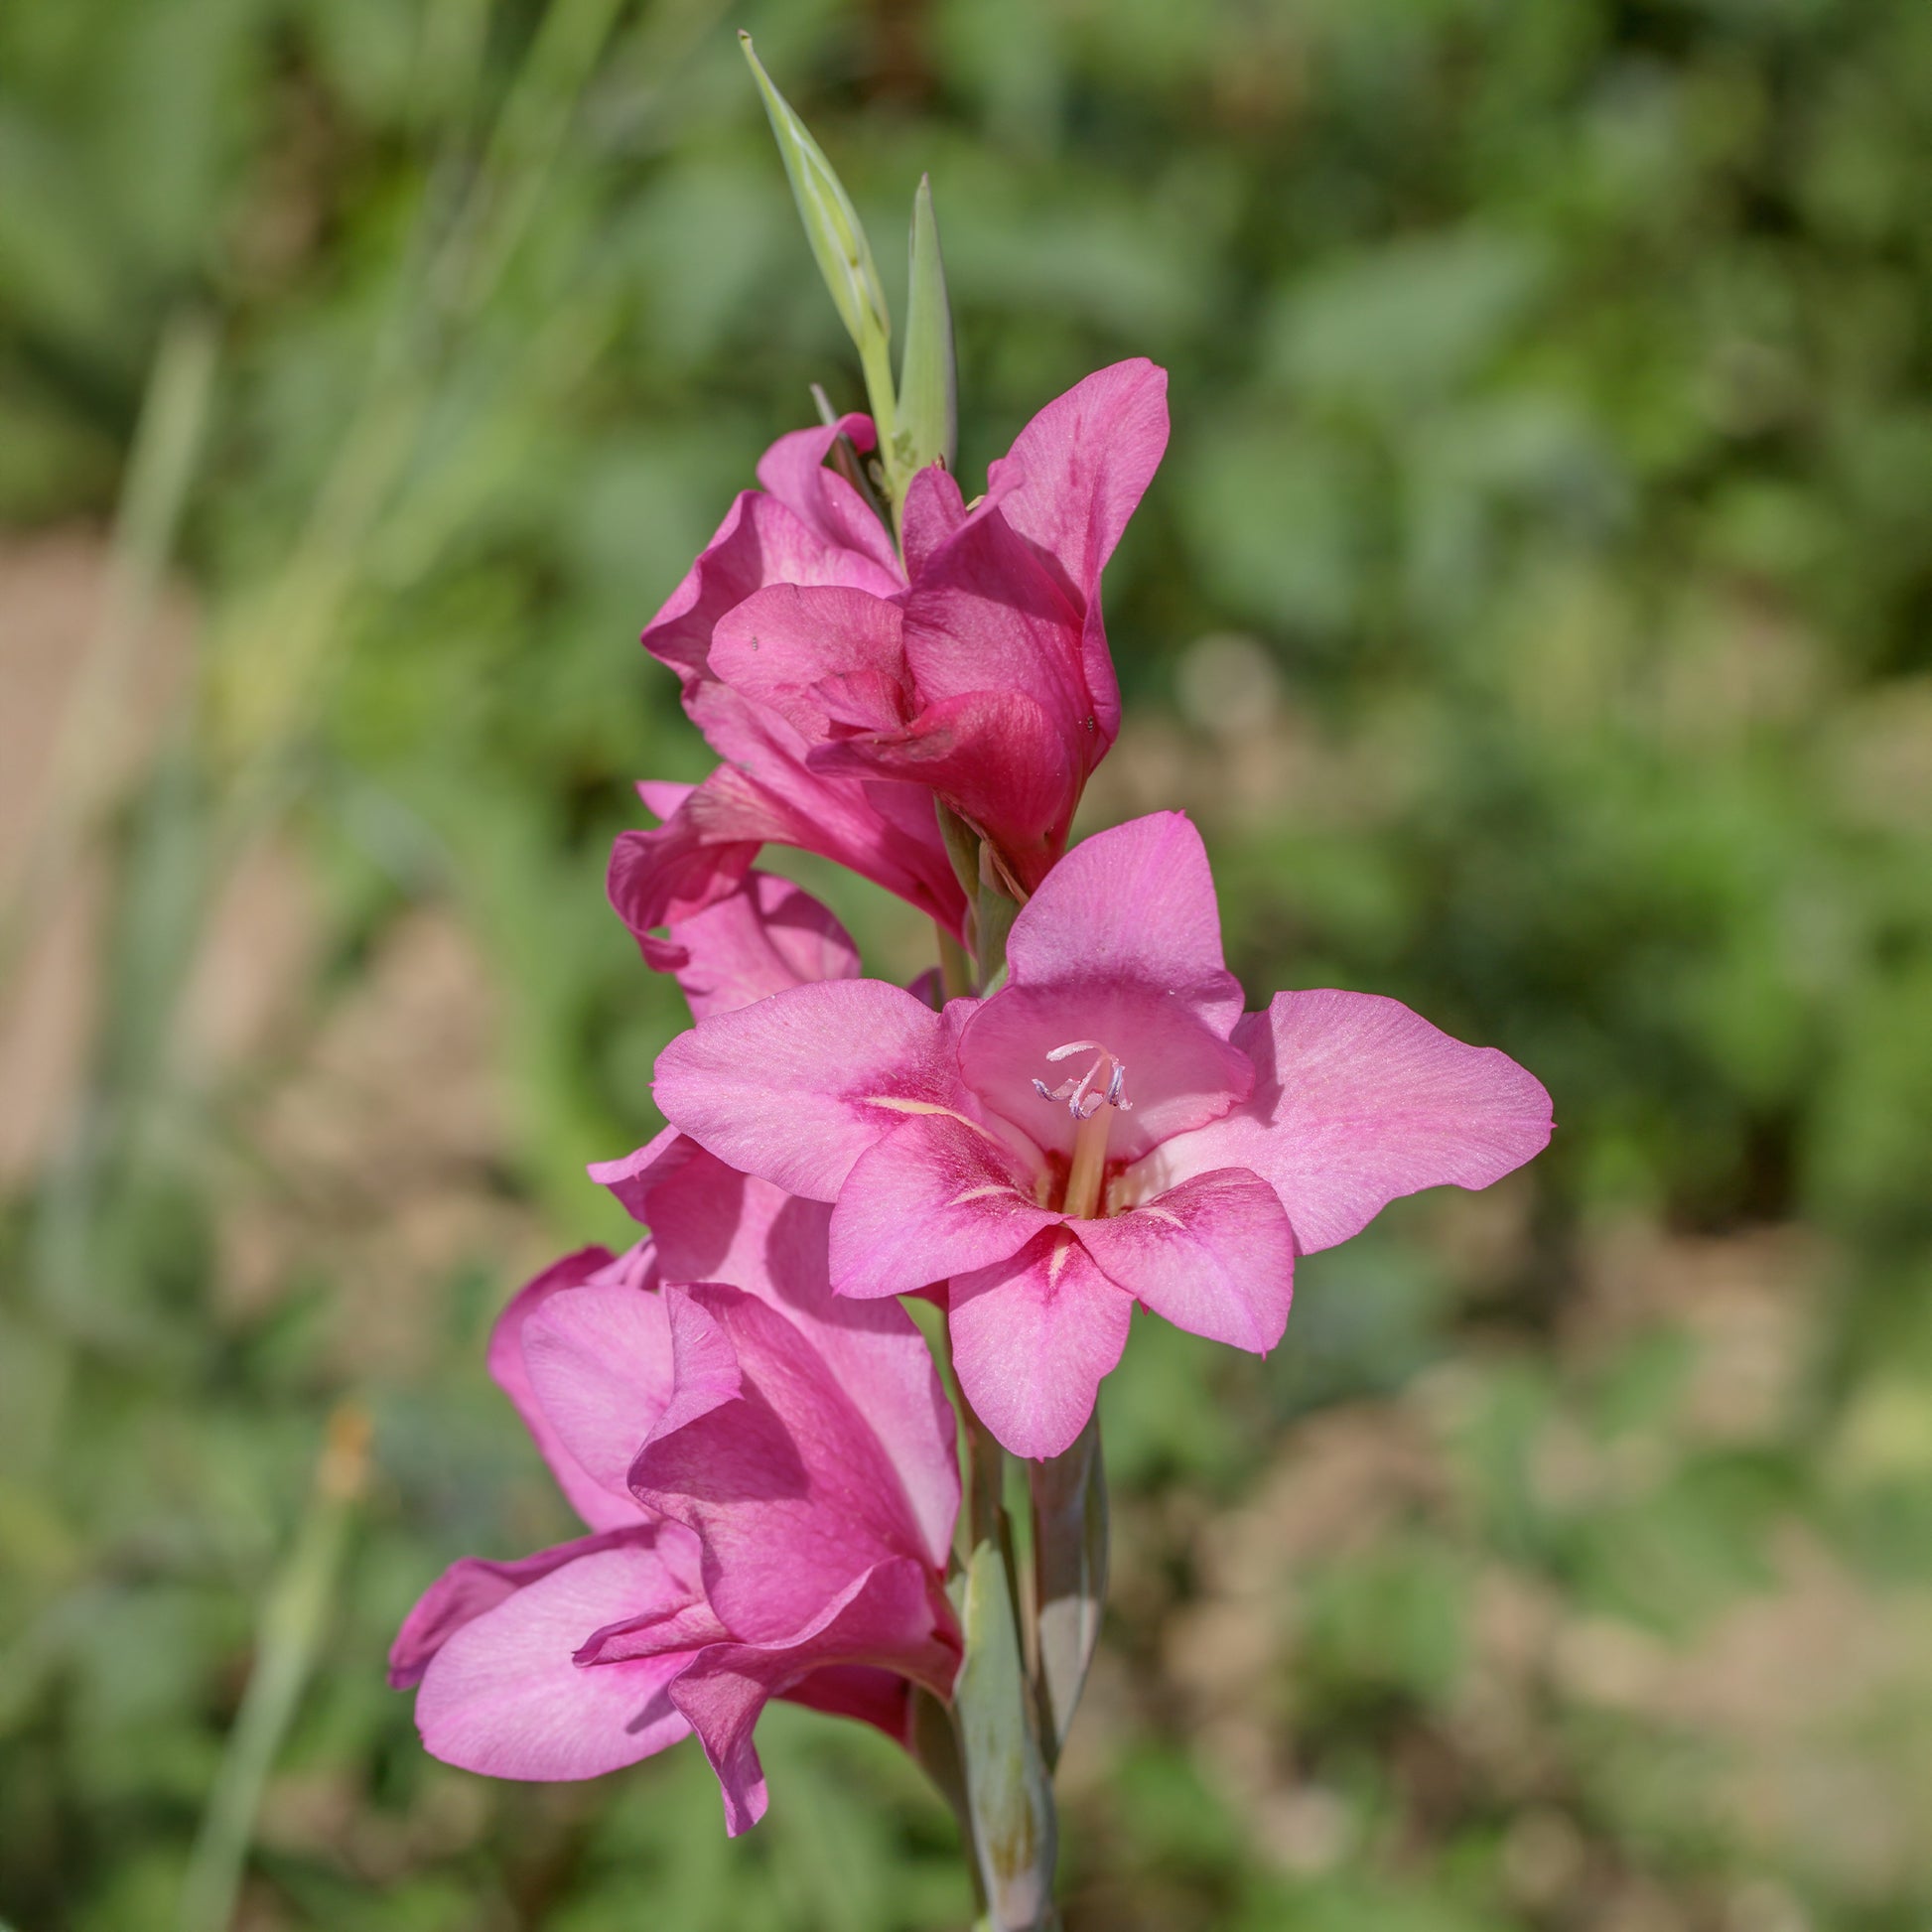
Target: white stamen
(1083,1101)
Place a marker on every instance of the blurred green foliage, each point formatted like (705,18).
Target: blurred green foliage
(1533,608)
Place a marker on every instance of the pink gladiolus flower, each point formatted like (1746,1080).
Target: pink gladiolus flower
(1108,1128)
(769,1487)
(844,688)
(806,526)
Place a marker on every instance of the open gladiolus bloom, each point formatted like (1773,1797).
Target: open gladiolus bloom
(769,1480)
(1108,1128)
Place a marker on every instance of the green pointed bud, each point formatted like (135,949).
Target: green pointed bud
(844,256)
(928,396)
(1009,1799)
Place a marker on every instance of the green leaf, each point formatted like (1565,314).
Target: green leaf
(1015,1835)
(838,242)
(928,397)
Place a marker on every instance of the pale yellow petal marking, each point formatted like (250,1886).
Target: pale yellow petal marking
(893,1104)
(981,1193)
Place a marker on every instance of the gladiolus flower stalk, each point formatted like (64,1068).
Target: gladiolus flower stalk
(1073,1116)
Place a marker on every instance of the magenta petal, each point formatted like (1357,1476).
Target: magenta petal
(793,471)
(1032,1340)
(597,1505)
(884,1616)
(698,856)
(706,1373)
(986,615)
(816,656)
(709,1221)
(998,756)
(939,1195)
(767,935)
(1137,903)
(872,1346)
(765,540)
(472,1584)
(600,1364)
(1358,1100)
(796,1087)
(1083,465)
(934,509)
(861,1692)
(1214,1255)
(503,1698)
(789,1487)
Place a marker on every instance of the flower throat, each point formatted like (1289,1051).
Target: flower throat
(1090,1098)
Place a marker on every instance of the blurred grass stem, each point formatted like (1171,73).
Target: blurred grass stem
(293,1621)
(166,443)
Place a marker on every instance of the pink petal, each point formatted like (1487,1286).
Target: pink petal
(986,615)
(1136,904)
(861,1692)
(1181,1072)
(472,1584)
(882,1617)
(789,1487)
(872,1346)
(705,1369)
(998,758)
(600,1363)
(763,540)
(883,830)
(1214,1255)
(709,1221)
(1074,475)
(767,935)
(598,1506)
(503,1698)
(1083,465)
(934,510)
(939,1195)
(697,857)
(793,471)
(1032,1340)
(816,656)
(712,1223)
(1358,1100)
(796,1087)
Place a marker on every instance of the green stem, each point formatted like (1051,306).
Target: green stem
(955,968)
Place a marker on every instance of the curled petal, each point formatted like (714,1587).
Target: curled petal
(473,1584)
(598,1506)
(790,1487)
(503,1696)
(884,1617)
